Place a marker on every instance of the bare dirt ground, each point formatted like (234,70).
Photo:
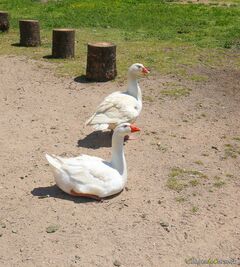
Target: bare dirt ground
(182,199)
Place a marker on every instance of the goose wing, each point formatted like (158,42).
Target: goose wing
(115,108)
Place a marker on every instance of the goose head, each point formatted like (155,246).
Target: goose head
(137,70)
(124,129)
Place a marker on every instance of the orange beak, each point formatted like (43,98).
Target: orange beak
(145,70)
(134,128)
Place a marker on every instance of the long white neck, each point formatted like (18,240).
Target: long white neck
(118,161)
(133,88)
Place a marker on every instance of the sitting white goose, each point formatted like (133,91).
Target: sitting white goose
(120,107)
(94,177)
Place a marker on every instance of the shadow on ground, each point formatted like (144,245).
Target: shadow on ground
(48,57)
(82,79)
(96,139)
(55,192)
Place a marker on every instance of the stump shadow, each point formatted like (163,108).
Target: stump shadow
(95,140)
(22,45)
(48,57)
(54,192)
(16,44)
(82,79)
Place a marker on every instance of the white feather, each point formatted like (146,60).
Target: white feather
(119,107)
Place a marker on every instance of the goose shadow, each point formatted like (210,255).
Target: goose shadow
(55,192)
(95,140)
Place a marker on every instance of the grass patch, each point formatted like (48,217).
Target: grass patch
(218,182)
(175,184)
(201,25)
(180,199)
(194,209)
(182,172)
(180,178)
(148,98)
(231,151)
(167,61)
(194,182)
(198,78)
(177,92)
(236,138)
(198,162)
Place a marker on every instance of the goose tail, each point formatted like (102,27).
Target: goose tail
(88,122)
(94,123)
(54,161)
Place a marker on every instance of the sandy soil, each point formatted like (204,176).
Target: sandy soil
(149,224)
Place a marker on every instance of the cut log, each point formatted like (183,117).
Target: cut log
(101,62)
(63,43)
(4,21)
(29,33)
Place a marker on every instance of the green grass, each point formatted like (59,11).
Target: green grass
(175,184)
(169,37)
(199,78)
(179,178)
(218,182)
(231,151)
(176,92)
(236,138)
(194,209)
(198,162)
(180,199)
(207,26)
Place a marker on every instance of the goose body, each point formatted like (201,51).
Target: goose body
(92,176)
(120,107)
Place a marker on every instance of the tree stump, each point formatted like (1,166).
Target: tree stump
(101,62)
(4,21)
(63,43)
(29,33)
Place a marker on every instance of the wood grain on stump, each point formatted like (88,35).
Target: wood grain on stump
(101,62)
(4,21)
(29,33)
(63,43)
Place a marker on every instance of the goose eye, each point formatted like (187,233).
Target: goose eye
(125,126)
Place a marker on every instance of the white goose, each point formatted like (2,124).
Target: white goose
(94,177)
(120,107)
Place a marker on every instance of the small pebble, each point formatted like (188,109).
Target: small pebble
(52,229)
(77,257)
(2,224)
(117,263)
(164,224)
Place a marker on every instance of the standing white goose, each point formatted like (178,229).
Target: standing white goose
(120,107)
(94,177)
